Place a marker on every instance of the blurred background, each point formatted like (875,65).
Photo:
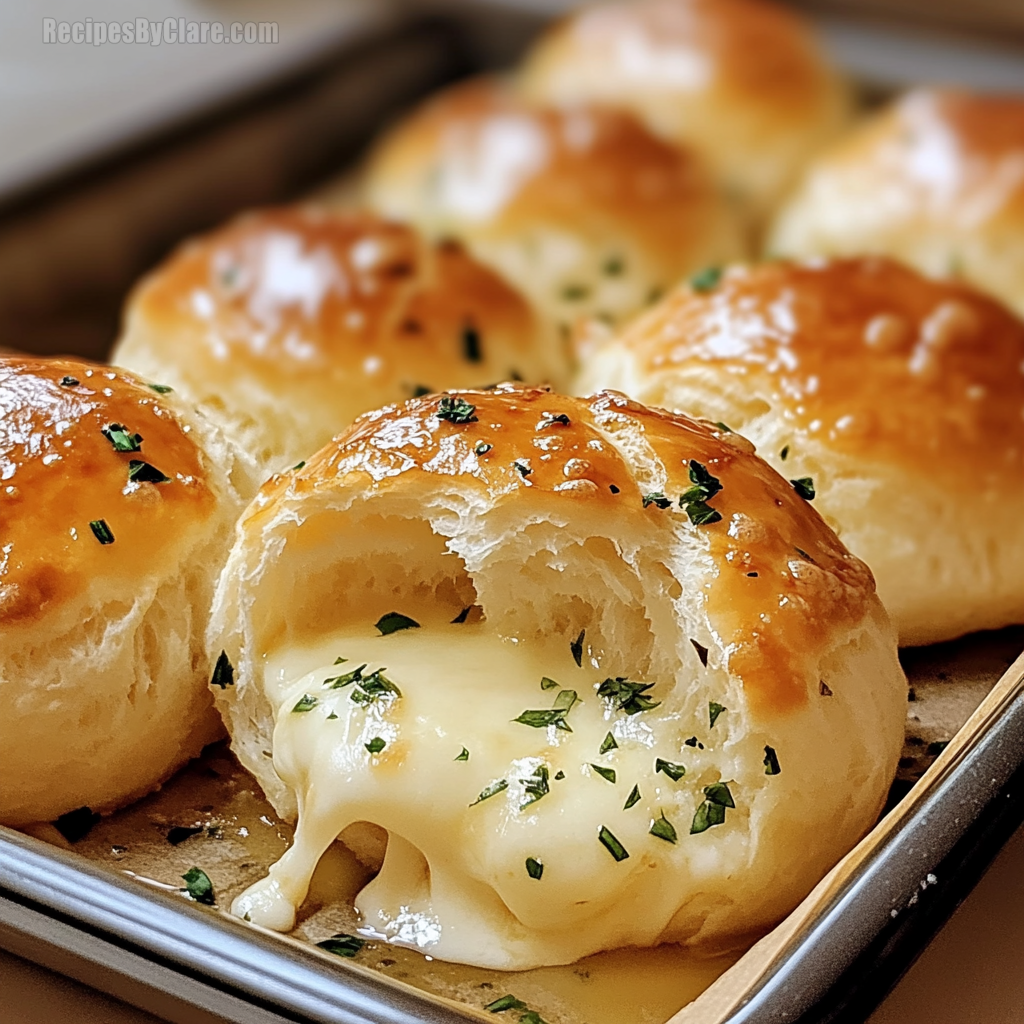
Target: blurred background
(111,154)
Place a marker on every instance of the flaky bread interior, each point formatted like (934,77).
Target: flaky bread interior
(103,670)
(370,526)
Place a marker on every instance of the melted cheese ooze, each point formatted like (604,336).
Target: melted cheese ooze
(454,882)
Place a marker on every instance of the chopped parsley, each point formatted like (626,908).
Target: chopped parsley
(492,790)
(613,266)
(555,716)
(536,786)
(143,472)
(613,489)
(608,774)
(305,703)
(784,454)
(711,812)
(393,622)
(771,762)
(534,868)
(503,1003)
(419,390)
(559,775)
(160,389)
(673,770)
(575,292)
(337,682)
(824,689)
(340,661)
(223,672)
(69,382)
(664,829)
(198,886)
(332,717)
(804,486)
(633,799)
(483,448)
(714,711)
(342,944)
(462,616)
(121,438)
(608,743)
(804,554)
(376,745)
(76,824)
(706,280)
(694,742)
(627,696)
(702,652)
(523,466)
(471,347)
(724,426)
(177,835)
(577,648)
(463,755)
(455,410)
(550,419)
(656,498)
(611,844)
(372,688)
(695,500)
(298,466)
(548,684)
(101,531)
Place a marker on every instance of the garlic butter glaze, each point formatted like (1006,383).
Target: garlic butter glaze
(115,511)
(901,398)
(285,324)
(539,543)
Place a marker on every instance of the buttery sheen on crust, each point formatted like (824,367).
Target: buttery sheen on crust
(580,207)
(106,577)
(612,720)
(936,179)
(902,398)
(286,324)
(743,83)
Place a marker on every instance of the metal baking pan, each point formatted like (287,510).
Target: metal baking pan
(77,911)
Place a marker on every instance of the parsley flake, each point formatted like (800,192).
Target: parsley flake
(455,410)
(471,347)
(376,745)
(611,844)
(305,703)
(482,448)
(550,419)
(463,755)
(160,389)
(143,472)
(101,531)
(121,438)
(492,790)
(503,1003)
(673,770)
(656,498)
(608,774)
(76,824)
(784,454)
(712,811)
(393,622)
(371,688)
(664,829)
(608,743)
(462,616)
(627,696)
(337,682)
(613,266)
(633,799)
(198,886)
(342,944)
(69,382)
(702,652)
(536,786)
(534,868)
(695,500)
(771,762)
(559,775)
(548,684)
(555,716)
(824,689)
(577,648)
(223,672)
(804,486)
(714,711)
(523,466)
(575,292)
(706,280)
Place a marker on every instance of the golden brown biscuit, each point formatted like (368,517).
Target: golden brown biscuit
(116,509)
(286,324)
(900,397)
(936,180)
(602,676)
(743,83)
(582,208)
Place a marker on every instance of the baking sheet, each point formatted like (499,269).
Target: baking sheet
(213,815)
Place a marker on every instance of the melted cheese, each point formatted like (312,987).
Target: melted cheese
(454,881)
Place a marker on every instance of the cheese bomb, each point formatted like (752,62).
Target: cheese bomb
(599,673)
(116,508)
(936,180)
(743,83)
(286,324)
(895,402)
(581,208)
